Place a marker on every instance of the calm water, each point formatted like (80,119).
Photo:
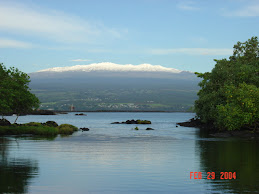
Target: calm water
(118,159)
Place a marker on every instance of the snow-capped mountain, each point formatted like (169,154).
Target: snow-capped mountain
(106,73)
(108,66)
(89,86)
(111,70)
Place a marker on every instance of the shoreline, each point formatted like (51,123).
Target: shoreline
(120,111)
(214,132)
(55,112)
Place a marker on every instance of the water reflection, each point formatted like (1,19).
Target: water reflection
(234,155)
(15,173)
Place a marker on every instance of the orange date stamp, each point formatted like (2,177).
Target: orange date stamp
(212,175)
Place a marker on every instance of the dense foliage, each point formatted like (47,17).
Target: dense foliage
(229,95)
(15,95)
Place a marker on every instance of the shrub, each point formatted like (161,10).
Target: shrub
(66,129)
(34,128)
(143,122)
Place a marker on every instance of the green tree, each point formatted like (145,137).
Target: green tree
(231,83)
(241,108)
(15,95)
(4,91)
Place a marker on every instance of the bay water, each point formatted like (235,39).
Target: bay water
(116,158)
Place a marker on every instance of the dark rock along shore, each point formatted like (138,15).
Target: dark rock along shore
(213,131)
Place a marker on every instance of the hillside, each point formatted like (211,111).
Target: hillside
(108,86)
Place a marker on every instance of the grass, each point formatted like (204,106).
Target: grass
(28,130)
(66,129)
(37,129)
(143,122)
(35,124)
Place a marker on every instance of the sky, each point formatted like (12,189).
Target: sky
(182,34)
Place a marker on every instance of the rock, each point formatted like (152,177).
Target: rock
(133,122)
(84,129)
(4,122)
(80,114)
(51,124)
(149,128)
(116,123)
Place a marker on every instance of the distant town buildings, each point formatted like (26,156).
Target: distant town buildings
(72,108)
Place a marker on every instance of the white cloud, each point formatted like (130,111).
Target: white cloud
(79,60)
(251,10)
(187,5)
(8,43)
(53,25)
(192,51)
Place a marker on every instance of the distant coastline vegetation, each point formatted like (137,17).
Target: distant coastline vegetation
(122,99)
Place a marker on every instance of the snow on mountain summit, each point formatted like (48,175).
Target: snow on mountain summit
(107,66)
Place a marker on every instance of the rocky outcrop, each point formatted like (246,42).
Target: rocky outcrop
(84,129)
(191,123)
(80,114)
(133,122)
(51,124)
(149,128)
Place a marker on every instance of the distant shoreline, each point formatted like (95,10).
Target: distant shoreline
(55,112)
(118,111)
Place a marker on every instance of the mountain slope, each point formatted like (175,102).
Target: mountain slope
(109,86)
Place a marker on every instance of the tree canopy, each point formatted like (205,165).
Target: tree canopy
(15,95)
(229,95)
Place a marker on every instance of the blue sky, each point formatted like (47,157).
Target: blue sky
(185,35)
